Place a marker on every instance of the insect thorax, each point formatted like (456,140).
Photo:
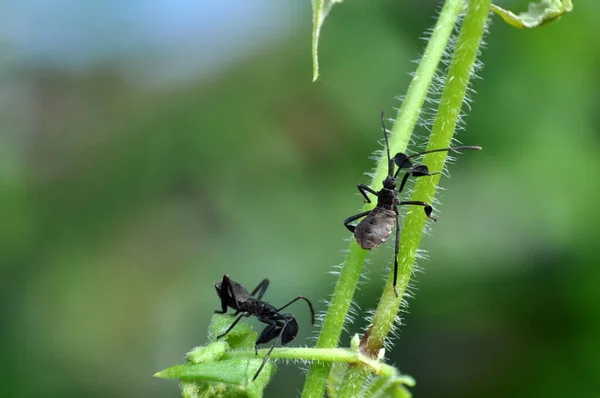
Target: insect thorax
(386,199)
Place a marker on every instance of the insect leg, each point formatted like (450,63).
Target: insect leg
(348,220)
(261,289)
(231,327)
(364,189)
(268,334)
(225,288)
(415,171)
(426,207)
(396,251)
(402,160)
(428,211)
(312,311)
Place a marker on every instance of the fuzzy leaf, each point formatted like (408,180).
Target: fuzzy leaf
(207,374)
(537,14)
(210,353)
(232,371)
(242,336)
(392,387)
(320,10)
(227,378)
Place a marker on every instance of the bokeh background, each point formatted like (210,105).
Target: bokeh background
(147,148)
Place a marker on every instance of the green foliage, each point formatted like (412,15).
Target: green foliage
(225,368)
(240,337)
(208,374)
(321,9)
(354,381)
(537,14)
(123,203)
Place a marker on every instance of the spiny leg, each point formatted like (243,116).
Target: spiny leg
(312,311)
(355,217)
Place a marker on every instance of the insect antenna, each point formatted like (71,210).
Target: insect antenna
(312,311)
(387,147)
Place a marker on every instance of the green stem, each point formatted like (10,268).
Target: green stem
(322,355)
(403,127)
(459,74)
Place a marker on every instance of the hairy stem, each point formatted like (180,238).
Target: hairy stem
(457,81)
(405,123)
(320,355)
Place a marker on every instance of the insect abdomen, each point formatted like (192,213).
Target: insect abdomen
(375,228)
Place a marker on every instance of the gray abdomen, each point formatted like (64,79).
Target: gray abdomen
(375,228)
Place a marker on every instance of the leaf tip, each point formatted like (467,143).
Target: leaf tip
(537,14)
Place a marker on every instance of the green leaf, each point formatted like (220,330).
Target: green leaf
(238,371)
(204,390)
(242,336)
(537,14)
(392,387)
(210,353)
(320,10)
(226,378)
(190,389)
(210,373)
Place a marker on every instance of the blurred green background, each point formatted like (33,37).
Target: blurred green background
(147,148)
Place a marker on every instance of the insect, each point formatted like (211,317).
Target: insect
(279,326)
(377,224)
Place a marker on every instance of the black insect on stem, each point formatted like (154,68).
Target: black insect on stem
(279,326)
(377,224)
